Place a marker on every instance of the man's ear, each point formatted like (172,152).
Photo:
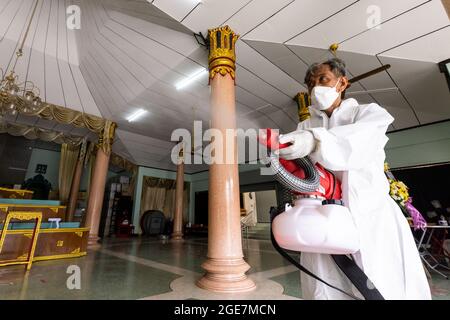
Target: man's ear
(345,84)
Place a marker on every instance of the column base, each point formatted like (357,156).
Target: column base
(226,276)
(93,241)
(177,236)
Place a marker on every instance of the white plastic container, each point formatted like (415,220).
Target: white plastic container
(309,226)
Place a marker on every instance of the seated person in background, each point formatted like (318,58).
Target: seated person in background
(39,185)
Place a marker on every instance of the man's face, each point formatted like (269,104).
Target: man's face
(323,77)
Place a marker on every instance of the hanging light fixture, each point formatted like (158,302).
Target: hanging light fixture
(15,96)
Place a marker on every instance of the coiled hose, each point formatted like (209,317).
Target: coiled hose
(290,181)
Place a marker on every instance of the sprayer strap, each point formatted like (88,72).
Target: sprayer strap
(357,277)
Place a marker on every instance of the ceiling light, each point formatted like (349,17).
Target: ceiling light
(180,85)
(137,114)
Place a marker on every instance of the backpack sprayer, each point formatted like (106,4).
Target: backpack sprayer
(318,222)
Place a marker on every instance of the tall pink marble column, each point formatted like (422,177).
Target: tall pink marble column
(179,192)
(225,266)
(97,188)
(74,189)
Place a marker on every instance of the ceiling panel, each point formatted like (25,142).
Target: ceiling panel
(296,18)
(398,108)
(340,26)
(265,69)
(311,55)
(282,57)
(406,27)
(53,84)
(13,16)
(362,98)
(424,48)
(177,9)
(424,86)
(179,41)
(259,87)
(143,140)
(119,148)
(212,13)
(254,13)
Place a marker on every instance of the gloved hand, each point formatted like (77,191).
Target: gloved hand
(302,141)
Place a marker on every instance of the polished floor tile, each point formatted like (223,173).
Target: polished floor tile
(148,268)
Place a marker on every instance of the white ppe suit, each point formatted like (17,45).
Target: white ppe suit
(351,144)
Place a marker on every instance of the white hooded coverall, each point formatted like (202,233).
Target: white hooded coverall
(351,144)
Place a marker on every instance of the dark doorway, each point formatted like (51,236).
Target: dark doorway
(429,189)
(201,208)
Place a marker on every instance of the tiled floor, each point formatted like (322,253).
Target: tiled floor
(146,268)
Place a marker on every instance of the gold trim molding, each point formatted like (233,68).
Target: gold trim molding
(69,230)
(19,191)
(222,56)
(106,136)
(104,128)
(60,256)
(33,133)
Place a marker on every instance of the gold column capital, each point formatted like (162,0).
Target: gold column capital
(83,150)
(106,137)
(303,102)
(222,56)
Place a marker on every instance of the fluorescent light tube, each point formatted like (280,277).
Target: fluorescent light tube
(137,114)
(183,83)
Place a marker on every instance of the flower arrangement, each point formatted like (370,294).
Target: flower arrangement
(399,192)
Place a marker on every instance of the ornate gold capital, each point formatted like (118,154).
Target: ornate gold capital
(222,56)
(303,102)
(106,137)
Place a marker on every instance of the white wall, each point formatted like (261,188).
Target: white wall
(46,157)
(424,145)
(51,159)
(265,200)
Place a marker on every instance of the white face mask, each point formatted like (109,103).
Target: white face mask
(323,97)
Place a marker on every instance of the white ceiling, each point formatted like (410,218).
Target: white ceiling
(129,54)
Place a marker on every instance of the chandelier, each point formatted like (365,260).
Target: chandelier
(19,97)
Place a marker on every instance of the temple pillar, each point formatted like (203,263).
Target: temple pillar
(74,189)
(225,267)
(179,193)
(97,188)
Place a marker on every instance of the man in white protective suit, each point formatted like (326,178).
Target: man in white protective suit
(349,139)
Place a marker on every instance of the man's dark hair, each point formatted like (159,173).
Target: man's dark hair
(337,66)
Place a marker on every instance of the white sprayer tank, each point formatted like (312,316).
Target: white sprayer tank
(309,226)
